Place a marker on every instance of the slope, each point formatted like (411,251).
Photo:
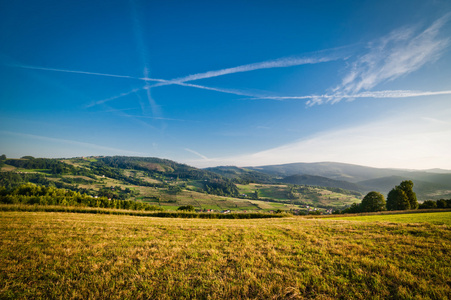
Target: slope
(322,181)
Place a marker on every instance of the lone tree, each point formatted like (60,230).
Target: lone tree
(407,187)
(373,201)
(402,197)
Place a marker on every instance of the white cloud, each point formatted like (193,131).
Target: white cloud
(278,63)
(319,99)
(414,142)
(284,62)
(401,52)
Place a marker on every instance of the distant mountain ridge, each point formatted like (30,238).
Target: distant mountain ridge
(322,181)
(428,184)
(242,175)
(333,170)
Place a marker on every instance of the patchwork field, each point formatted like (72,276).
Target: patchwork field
(84,256)
(310,195)
(170,185)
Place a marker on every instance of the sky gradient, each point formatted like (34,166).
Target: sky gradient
(242,83)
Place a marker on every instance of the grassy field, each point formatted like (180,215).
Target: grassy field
(310,195)
(439,218)
(83,256)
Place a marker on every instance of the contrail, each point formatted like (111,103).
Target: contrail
(74,71)
(197,153)
(112,98)
(371,94)
(163,81)
(70,142)
(84,72)
(132,117)
(278,63)
(226,91)
(137,30)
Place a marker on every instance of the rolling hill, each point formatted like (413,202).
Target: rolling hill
(429,184)
(168,184)
(242,175)
(322,181)
(332,170)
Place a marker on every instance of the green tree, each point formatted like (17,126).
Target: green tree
(373,201)
(353,209)
(397,199)
(255,194)
(407,187)
(2,160)
(186,208)
(428,204)
(442,203)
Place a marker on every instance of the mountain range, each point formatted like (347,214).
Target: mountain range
(428,184)
(166,180)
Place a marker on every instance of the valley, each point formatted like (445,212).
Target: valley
(170,185)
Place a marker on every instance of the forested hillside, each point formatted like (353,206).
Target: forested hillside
(170,185)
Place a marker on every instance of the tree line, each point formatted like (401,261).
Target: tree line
(30,193)
(401,197)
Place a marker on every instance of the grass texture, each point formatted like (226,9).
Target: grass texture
(60,255)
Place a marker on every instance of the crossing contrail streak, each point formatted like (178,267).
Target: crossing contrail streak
(278,63)
(75,71)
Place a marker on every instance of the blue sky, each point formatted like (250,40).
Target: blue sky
(228,83)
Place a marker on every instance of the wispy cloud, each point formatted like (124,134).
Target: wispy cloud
(315,58)
(320,99)
(73,71)
(409,142)
(401,52)
(221,90)
(197,153)
(70,142)
(147,87)
(277,63)
(103,101)
(123,114)
(162,118)
(137,29)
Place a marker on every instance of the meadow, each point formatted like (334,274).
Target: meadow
(86,256)
(443,218)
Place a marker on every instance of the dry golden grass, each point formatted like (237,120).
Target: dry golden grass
(7,168)
(77,256)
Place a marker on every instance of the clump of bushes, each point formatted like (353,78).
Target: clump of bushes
(442,203)
(30,193)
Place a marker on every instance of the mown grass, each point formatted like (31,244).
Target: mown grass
(139,213)
(439,218)
(84,256)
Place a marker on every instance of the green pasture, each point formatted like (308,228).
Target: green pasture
(51,255)
(439,218)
